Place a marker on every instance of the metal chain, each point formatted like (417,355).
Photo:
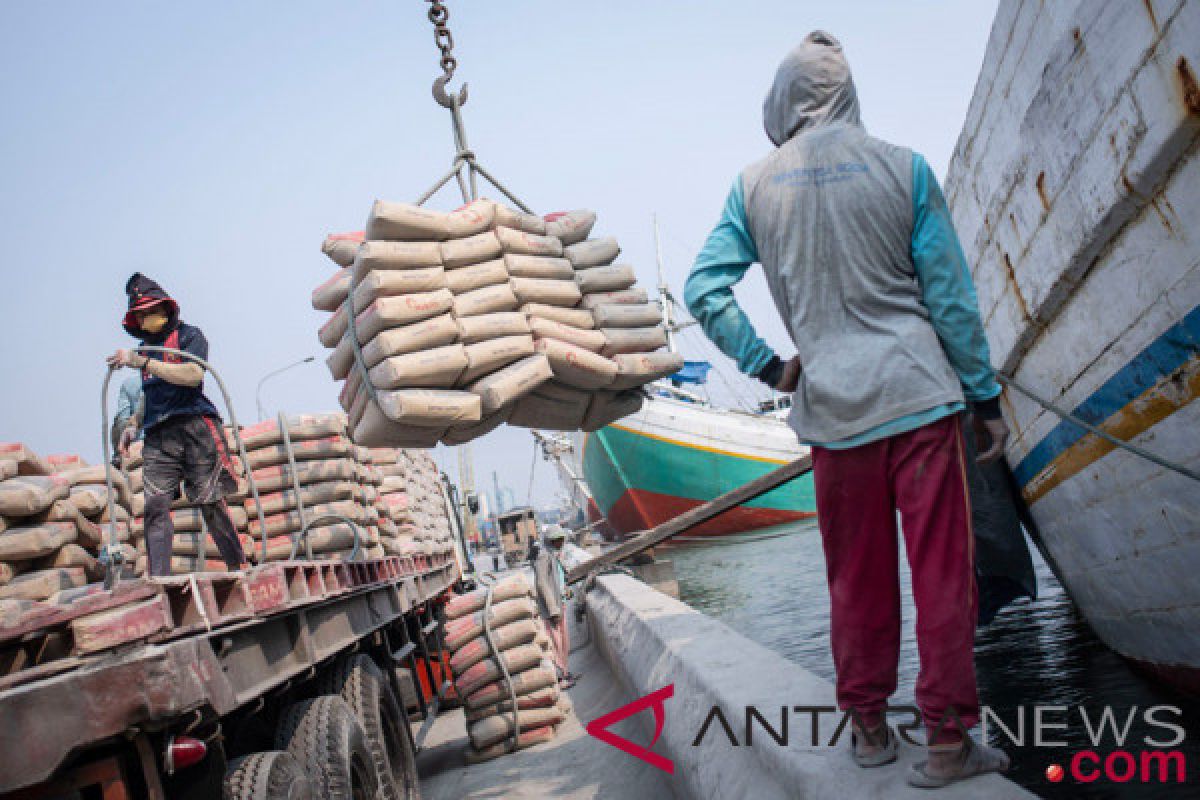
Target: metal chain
(439,15)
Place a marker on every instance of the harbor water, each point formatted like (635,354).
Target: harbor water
(770,586)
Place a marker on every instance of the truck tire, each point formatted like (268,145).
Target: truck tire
(273,775)
(324,737)
(360,682)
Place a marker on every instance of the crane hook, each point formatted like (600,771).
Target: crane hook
(446,99)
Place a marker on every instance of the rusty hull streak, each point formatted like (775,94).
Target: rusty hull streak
(1011,277)
(1041,190)
(1191,90)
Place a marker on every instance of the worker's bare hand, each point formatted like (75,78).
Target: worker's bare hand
(124,358)
(790,377)
(127,438)
(991,435)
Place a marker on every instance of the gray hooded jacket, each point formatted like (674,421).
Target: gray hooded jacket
(831,215)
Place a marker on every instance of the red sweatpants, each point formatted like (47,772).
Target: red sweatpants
(922,475)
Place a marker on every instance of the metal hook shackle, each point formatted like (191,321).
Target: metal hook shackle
(447,99)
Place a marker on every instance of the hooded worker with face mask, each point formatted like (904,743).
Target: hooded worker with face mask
(184,443)
(862,261)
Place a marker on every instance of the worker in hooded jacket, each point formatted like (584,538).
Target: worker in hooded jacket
(864,266)
(184,442)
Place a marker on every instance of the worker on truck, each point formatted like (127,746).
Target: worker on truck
(184,443)
(865,269)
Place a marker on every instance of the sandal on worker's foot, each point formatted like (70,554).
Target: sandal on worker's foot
(973,759)
(885,752)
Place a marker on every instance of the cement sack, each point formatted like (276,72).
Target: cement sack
(518,220)
(552,406)
(377,429)
(383,455)
(61,462)
(575,317)
(506,385)
(491,355)
(528,244)
(461,434)
(7,573)
(393,483)
(65,511)
(300,427)
(326,539)
(43,583)
(627,316)
(462,630)
(434,332)
(492,326)
(519,266)
(471,250)
(333,329)
(26,542)
(310,495)
(273,479)
(394,257)
(505,638)
(342,247)
(593,253)
(487,300)
(318,516)
(308,450)
(8,469)
(82,476)
(407,222)
(184,565)
(476,276)
(29,494)
(394,283)
(394,312)
(423,408)
(191,519)
(591,340)
(194,543)
(494,729)
(605,279)
(570,227)
(637,369)
(633,340)
(608,407)
(527,738)
(624,297)
(437,368)
(133,457)
(541,698)
(488,670)
(28,462)
(91,500)
(546,291)
(506,589)
(575,366)
(332,293)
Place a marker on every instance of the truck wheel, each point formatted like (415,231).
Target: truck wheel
(360,682)
(274,775)
(324,737)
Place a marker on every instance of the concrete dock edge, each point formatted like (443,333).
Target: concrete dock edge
(651,641)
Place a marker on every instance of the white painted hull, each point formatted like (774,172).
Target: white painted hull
(1075,187)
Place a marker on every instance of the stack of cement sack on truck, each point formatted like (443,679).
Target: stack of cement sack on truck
(53,519)
(518,633)
(485,315)
(192,549)
(338,486)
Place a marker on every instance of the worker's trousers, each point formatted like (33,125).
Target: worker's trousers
(922,475)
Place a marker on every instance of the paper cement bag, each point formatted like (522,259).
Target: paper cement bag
(392,283)
(476,276)
(342,247)
(518,220)
(625,297)
(471,250)
(332,293)
(570,227)
(461,434)
(392,312)
(593,252)
(549,329)
(552,406)
(492,354)
(437,368)
(605,279)
(612,315)
(529,244)
(575,317)
(538,267)
(546,291)
(636,369)
(479,327)
(608,407)
(634,340)
(575,366)
(506,385)
(390,256)
(487,300)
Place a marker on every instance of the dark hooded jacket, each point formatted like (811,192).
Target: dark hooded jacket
(165,399)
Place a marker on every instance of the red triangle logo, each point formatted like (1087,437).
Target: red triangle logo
(599,728)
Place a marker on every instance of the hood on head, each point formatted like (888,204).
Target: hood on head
(812,88)
(144,293)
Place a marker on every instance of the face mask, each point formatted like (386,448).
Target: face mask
(154,323)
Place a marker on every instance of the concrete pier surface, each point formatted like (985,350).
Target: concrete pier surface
(636,641)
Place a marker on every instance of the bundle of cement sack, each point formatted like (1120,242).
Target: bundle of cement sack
(411,499)
(445,326)
(54,516)
(524,648)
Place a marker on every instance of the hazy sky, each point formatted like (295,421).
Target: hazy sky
(212,145)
